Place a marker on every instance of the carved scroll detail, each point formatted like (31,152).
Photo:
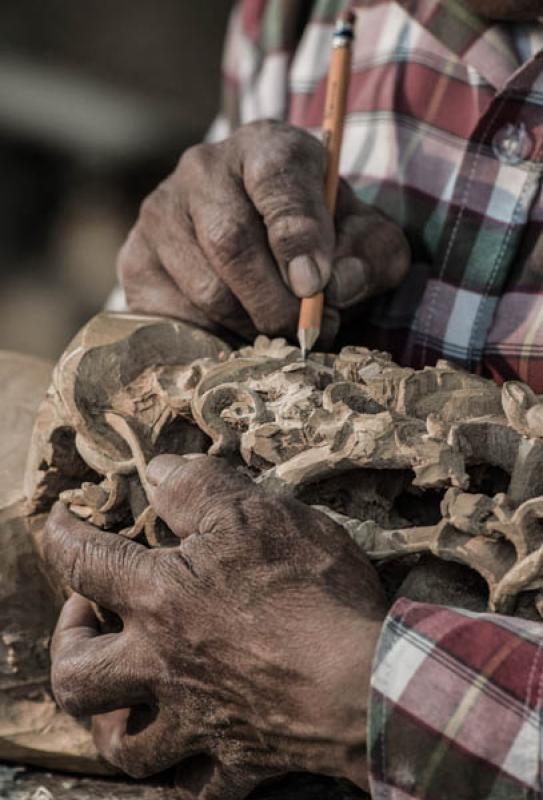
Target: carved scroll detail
(348,430)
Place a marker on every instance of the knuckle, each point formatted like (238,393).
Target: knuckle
(231,518)
(356,226)
(212,295)
(130,259)
(289,141)
(279,316)
(295,156)
(280,321)
(381,243)
(261,127)
(195,161)
(266,137)
(392,246)
(63,684)
(152,208)
(129,561)
(229,240)
(137,770)
(158,601)
(292,233)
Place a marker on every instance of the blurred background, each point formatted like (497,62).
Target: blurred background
(97,101)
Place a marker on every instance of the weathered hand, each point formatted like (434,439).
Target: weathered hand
(245,652)
(240,230)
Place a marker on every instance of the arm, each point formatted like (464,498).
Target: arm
(455,708)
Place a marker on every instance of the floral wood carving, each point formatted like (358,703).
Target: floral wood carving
(435,461)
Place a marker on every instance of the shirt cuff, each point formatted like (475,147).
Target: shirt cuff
(455,706)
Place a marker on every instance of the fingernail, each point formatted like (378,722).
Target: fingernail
(160,468)
(304,276)
(349,282)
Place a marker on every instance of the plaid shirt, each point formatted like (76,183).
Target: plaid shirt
(444,133)
(456,706)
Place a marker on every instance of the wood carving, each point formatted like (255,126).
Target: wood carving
(108,354)
(32,729)
(435,461)
(433,472)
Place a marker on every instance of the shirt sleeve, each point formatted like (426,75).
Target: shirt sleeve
(455,706)
(261,41)
(241,61)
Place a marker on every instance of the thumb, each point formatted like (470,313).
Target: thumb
(204,778)
(189,493)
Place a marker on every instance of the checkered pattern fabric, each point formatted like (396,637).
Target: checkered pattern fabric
(455,710)
(444,133)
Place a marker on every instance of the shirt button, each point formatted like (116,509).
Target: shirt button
(512,144)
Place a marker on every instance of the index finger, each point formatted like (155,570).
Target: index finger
(233,239)
(193,496)
(101,566)
(286,185)
(90,672)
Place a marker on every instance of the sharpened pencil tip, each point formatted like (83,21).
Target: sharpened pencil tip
(307,338)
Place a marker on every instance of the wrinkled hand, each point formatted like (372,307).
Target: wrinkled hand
(245,652)
(241,230)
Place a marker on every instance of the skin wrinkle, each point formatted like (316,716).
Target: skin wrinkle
(232,669)
(210,654)
(260,194)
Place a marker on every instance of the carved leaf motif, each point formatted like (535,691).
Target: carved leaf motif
(355,421)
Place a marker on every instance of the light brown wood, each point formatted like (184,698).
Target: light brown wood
(370,442)
(337,89)
(436,463)
(311,312)
(334,117)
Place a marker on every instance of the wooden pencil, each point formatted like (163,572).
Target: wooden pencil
(339,74)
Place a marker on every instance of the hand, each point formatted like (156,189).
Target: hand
(245,652)
(241,230)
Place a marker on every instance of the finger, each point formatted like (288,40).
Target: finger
(234,240)
(140,741)
(169,228)
(89,672)
(77,620)
(286,185)
(210,294)
(371,255)
(205,778)
(104,567)
(196,495)
(149,289)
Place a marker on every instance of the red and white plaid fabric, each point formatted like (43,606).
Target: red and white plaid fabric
(444,133)
(455,711)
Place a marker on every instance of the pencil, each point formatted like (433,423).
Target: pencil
(339,74)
